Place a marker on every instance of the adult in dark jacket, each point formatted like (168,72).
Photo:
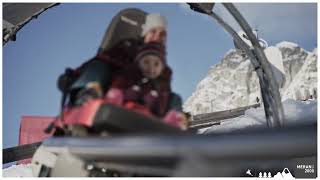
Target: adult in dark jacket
(93,78)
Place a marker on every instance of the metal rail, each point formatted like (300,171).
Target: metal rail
(283,143)
(268,87)
(12,34)
(274,113)
(208,119)
(19,152)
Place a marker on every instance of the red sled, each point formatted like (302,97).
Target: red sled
(32,131)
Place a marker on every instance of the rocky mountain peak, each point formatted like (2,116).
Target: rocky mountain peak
(233,82)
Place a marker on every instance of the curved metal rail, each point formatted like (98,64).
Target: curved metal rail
(268,86)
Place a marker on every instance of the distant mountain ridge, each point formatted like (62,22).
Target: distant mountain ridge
(233,82)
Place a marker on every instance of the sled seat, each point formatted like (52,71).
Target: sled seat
(113,119)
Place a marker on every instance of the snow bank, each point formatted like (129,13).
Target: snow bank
(286,44)
(296,112)
(22,170)
(315,51)
(274,56)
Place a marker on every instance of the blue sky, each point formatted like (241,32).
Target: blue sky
(69,34)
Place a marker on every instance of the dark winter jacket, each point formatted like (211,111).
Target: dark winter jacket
(152,93)
(101,67)
(123,73)
(117,57)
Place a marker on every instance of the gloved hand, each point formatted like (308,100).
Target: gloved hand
(176,119)
(115,96)
(66,79)
(151,101)
(91,91)
(132,93)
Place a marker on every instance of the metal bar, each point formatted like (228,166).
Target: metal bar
(210,119)
(19,26)
(221,114)
(263,85)
(283,143)
(217,118)
(19,152)
(137,168)
(276,120)
(236,37)
(204,125)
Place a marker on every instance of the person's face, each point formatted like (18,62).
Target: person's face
(151,66)
(158,35)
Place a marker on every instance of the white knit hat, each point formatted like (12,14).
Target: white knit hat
(153,21)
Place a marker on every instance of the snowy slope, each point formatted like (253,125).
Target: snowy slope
(304,82)
(274,56)
(18,171)
(296,112)
(218,91)
(233,82)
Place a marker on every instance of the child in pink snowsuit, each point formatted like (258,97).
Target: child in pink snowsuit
(145,87)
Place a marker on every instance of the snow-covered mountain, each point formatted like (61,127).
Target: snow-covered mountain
(295,112)
(233,82)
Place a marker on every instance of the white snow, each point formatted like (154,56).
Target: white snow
(20,170)
(286,44)
(274,56)
(296,112)
(315,51)
(244,37)
(304,84)
(229,52)
(233,83)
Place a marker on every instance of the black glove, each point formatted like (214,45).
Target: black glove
(65,80)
